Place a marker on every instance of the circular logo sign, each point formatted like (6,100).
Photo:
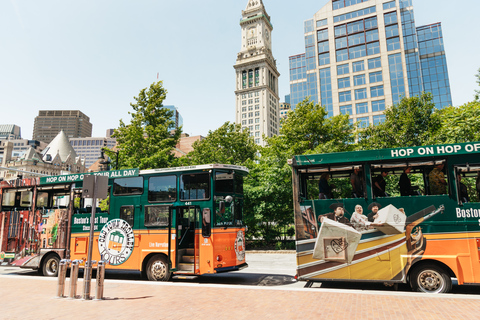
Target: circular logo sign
(240,246)
(115,242)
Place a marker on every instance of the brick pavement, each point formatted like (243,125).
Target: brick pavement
(34,298)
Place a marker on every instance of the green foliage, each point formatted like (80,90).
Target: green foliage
(54,233)
(407,124)
(459,124)
(308,130)
(229,144)
(147,142)
(268,188)
(105,204)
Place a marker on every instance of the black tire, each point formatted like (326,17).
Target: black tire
(430,278)
(158,268)
(50,265)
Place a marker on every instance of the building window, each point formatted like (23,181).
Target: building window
(345,96)
(376,91)
(343,69)
(378,119)
(393,44)
(257,120)
(341,43)
(391,31)
(342,55)
(322,35)
(390,18)
(324,59)
(343,83)
(376,77)
(361,94)
(357,52)
(362,122)
(388,5)
(346,109)
(359,80)
(358,66)
(362,107)
(321,23)
(378,105)
(340,30)
(373,48)
(371,35)
(354,14)
(374,63)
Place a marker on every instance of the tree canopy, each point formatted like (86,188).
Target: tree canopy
(148,140)
(459,124)
(408,123)
(228,144)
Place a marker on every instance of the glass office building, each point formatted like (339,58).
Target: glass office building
(362,56)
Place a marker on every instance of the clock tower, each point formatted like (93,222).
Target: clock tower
(256,85)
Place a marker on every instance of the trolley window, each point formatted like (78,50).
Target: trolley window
(195,186)
(162,189)
(128,186)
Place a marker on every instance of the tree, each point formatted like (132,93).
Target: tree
(459,124)
(229,144)
(407,124)
(308,130)
(148,141)
(268,188)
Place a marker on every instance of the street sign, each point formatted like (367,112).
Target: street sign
(95,187)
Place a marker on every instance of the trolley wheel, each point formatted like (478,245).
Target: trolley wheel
(158,268)
(50,266)
(430,278)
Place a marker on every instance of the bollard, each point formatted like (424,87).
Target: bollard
(87,279)
(62,273)
(74,278)
(100,279)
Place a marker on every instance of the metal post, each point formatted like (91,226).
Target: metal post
(62,273)
(87,278)
(74,279)
(100,279)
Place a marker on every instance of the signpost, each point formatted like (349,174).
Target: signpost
(94,186)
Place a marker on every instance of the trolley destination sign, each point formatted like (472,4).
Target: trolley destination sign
(390,154)
(77,177)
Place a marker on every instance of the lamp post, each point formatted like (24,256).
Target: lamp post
(107,162)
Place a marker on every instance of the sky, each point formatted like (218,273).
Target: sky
(95,56)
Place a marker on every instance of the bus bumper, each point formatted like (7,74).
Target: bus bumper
(234,268)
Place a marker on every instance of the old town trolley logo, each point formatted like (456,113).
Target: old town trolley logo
(116,241)
(240,246)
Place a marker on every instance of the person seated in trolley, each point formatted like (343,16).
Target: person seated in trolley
(436,179)
(358,220)
(379,184)
(405,184)
(374,207)
(338,214)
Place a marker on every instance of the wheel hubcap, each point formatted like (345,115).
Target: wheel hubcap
(52,266)
(159,270)
(430,281)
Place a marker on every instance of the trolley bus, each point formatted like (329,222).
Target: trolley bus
(181,222)
(425,236)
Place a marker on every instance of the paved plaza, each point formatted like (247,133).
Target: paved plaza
(34,298)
